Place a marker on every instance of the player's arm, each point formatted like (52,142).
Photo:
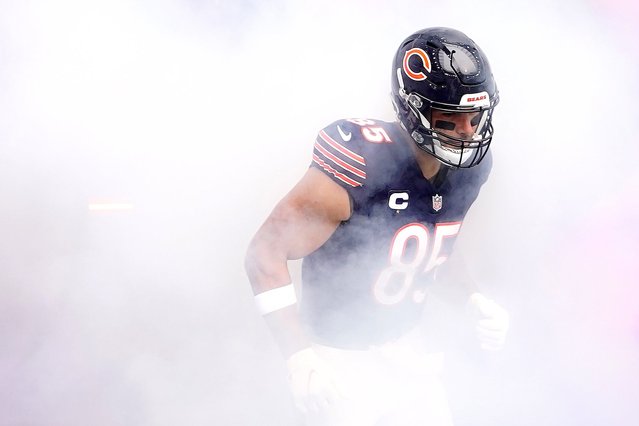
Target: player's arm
(299,224)
(456,284)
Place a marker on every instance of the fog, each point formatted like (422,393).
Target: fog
(197,116)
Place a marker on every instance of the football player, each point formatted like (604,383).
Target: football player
(375,218)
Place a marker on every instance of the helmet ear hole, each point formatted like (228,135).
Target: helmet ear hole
(401,110)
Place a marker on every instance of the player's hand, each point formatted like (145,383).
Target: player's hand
(492,322)
(312,382)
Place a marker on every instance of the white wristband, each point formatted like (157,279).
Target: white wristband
(275,299)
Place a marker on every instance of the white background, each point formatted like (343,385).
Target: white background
(202,114)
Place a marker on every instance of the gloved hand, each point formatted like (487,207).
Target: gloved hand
(492,322)
(312,382)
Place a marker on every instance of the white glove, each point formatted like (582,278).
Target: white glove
(312,382)
(492,322)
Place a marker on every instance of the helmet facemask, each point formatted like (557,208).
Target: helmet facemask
(439,136)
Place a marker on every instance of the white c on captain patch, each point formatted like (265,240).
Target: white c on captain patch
(398,201)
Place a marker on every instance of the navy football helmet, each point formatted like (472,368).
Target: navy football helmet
(441,72)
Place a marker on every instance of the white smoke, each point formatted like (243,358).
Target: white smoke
(201,115)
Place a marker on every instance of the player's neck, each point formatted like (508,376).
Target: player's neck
(428,164)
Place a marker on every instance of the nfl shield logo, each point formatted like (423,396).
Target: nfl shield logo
(437,202)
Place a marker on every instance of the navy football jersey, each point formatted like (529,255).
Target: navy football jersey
(366,284)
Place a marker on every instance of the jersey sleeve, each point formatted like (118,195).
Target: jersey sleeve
(338,153)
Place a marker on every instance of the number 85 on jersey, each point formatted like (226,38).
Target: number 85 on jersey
(398,278)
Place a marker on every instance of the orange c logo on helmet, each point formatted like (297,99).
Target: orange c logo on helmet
(417,76)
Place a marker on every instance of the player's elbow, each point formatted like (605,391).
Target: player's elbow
(252,261)
(265,266)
